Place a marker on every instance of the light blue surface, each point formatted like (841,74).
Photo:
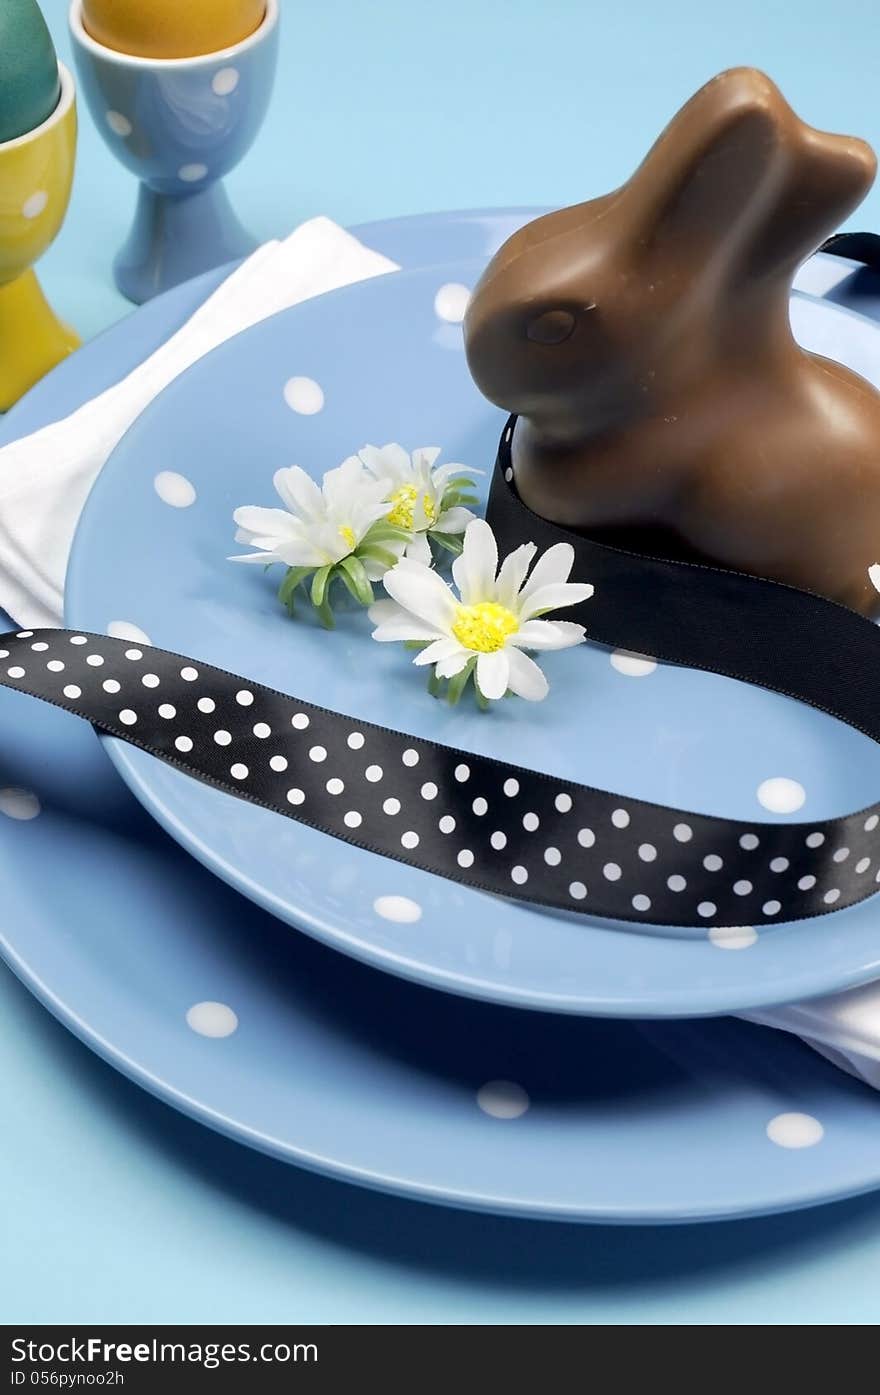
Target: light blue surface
(389,368)
(124,1211)
(179,125)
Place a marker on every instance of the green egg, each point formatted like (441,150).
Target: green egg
(29,87)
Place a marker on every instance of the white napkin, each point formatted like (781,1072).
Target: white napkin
(45,480)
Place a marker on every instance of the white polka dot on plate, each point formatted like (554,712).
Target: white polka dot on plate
(401,909)
(795,1130)
(225,81)
(119,124)
(33,205)
(780,795)
(174,489)
(632,665)
(211,1019)
(451,302)
(303,395)
(732,936)
(124,629)
(192,173)
(502,1099)
(19,804)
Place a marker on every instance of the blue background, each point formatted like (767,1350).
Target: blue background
(116,1209)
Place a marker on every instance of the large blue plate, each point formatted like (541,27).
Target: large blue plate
(366,1078)
(348,1071)
(389,367)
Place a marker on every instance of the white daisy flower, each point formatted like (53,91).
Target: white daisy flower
(338,530)
(424,499)
(485,629)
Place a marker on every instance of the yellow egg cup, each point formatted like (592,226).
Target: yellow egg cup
(36,172)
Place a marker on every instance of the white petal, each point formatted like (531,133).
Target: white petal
(271,523)
(493,672)
(552,566)
(444,473)
(454,520)
(267,558)
(423,457)
(419,550)
(547,634)
(299,492)
(556,595)
(393,623)
(525,678)
(513,574)
(342,485)
(474,569)
(443,648)
(389,462)
(383,610)
(300,552)
(422,591)
(448,668)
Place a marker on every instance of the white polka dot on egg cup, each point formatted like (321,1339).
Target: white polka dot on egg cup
(36,171)
(180,125)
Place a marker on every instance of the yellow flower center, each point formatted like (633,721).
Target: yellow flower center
(484,627)
(348,536)
(429,508)
(403,505)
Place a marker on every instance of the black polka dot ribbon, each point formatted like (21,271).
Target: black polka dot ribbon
(494,826)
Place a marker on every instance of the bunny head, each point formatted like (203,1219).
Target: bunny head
(595,312)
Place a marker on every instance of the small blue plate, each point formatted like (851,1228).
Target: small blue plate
(388,364)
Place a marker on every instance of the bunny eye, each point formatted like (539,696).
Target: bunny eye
(553,327)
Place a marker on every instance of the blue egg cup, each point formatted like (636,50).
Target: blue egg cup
(180,125)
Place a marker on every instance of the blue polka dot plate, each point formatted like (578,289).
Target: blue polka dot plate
(379,361)
(276,1041)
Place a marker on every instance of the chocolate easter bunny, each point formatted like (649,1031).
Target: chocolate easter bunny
(643,339)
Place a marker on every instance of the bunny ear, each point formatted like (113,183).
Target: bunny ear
(737,174)
(706,177)
(824,178)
